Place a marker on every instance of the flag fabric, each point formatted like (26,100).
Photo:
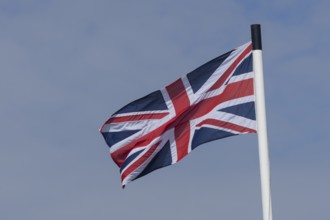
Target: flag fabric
(214,101)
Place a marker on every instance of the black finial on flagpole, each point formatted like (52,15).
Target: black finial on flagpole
(256,37)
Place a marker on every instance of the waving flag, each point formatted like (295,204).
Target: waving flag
(214,101)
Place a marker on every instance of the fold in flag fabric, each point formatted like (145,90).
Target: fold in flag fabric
(214,101)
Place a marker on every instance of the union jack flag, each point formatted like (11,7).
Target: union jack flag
(214,101)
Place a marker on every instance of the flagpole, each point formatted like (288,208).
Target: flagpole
(261,122)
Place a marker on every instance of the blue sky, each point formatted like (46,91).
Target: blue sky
(68,65)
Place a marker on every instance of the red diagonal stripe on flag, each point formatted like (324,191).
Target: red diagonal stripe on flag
(232,67)
(225,124)
(140,161)
(137,117)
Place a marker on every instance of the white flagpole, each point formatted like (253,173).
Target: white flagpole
(261,122)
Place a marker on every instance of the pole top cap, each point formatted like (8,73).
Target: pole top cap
(256,37)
